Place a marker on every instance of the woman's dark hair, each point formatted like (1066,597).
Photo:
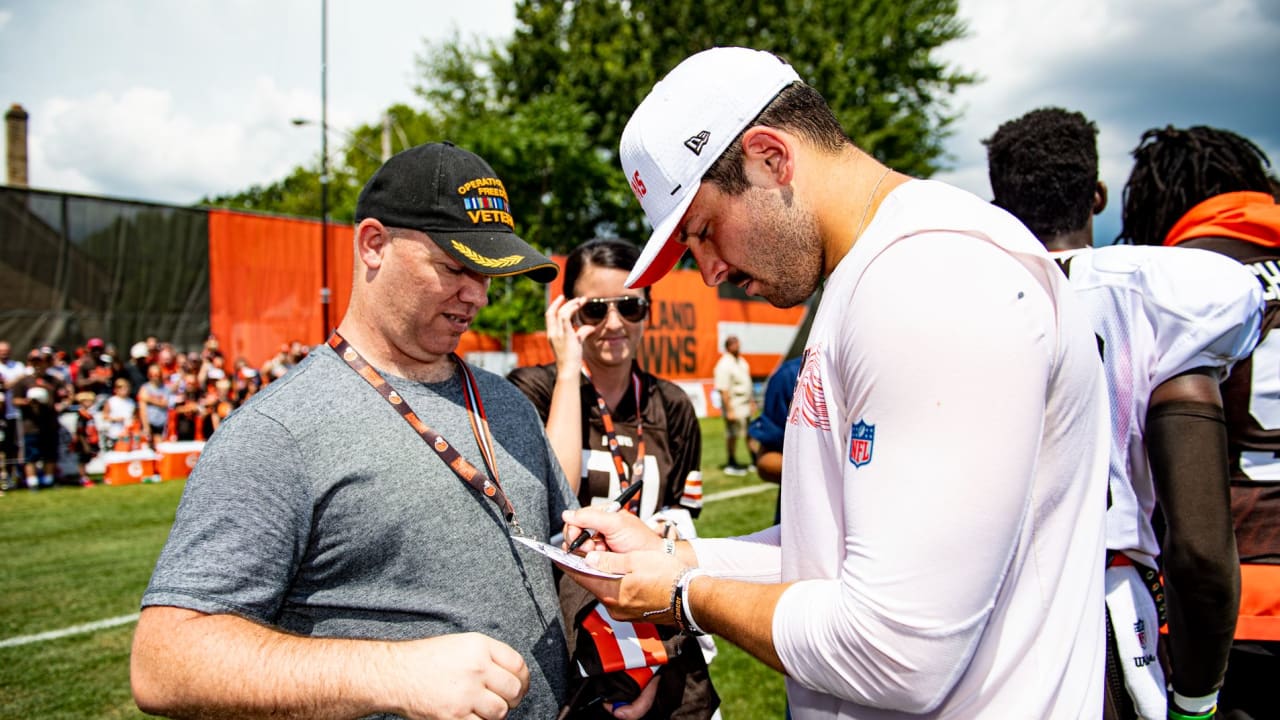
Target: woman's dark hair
(610,253)
(1174,170)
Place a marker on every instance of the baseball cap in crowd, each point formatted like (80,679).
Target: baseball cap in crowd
(138,351)
(95,343)
(681,128)
(453,196)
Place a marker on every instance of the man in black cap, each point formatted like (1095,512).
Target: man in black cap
(344,547)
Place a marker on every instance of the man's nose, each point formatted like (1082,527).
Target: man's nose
(475,289)
(713,269)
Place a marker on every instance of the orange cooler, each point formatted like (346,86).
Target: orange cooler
(126,468)
(177,458)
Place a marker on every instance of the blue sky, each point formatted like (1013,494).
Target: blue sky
(169,101)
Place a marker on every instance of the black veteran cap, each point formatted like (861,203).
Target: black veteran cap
(456,198)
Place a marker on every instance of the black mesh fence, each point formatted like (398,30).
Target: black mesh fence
(74,267)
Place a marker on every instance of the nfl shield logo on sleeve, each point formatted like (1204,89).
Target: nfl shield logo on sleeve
(862,440)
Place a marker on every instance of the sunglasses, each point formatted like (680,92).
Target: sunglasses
(632,308)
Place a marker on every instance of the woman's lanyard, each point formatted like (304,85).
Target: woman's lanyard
(485,484)
(625,477)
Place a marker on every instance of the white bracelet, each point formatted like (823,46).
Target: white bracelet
(685,582)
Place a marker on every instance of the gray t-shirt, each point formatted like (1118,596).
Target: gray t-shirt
(317,509)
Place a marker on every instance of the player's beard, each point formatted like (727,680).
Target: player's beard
(787,252)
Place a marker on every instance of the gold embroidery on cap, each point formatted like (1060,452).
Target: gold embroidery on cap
(473,256)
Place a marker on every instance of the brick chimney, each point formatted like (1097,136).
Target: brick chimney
(15,131)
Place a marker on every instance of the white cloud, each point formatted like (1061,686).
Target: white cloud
(139,144)
(183,100)
(212,114)
(1128,66)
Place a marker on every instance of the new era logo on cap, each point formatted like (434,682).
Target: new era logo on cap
(681,128)
(697,142)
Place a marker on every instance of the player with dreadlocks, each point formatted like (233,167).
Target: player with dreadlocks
(1166,341)
(1203,187)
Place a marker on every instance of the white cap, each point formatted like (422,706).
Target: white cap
(681,128)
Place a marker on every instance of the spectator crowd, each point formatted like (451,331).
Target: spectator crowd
(64,408)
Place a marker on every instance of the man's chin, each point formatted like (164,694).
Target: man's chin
(781,299)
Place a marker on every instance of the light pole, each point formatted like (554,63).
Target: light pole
(324,168)
(356,142)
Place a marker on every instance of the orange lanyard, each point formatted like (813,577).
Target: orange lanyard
(636,472)
(484,483)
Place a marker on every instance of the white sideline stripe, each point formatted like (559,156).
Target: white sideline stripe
(65,632)
(739,492)
(126,619)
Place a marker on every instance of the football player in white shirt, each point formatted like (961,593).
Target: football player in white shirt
(942,538)
(1209,188)
(1170,324)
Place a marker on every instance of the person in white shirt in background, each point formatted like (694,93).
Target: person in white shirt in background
(737,401)
(11,371)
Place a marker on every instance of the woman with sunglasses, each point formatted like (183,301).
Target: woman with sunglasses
(610,424)
(596,389)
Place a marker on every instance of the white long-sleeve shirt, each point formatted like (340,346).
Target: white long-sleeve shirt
(1158,312)
(945,474)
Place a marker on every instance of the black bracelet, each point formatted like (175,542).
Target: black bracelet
(684,618)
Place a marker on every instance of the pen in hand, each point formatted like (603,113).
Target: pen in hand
(614,506)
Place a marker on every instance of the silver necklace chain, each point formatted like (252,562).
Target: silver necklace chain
(870,199)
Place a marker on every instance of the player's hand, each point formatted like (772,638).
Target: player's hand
(467,675)
(645,585)
(619,532)
(565,338)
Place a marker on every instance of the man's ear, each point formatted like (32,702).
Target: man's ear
(768,155)
(372,239)
(1099,198)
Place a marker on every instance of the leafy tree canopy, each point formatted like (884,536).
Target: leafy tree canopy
(546,107)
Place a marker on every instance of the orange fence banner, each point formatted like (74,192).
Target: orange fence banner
(264,291)
(681,341)
(265,280)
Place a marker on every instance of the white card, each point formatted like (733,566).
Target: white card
(560,557)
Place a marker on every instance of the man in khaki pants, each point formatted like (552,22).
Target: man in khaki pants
(737,402)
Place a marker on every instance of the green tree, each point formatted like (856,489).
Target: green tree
(298,194)
(872,59)
(546,107)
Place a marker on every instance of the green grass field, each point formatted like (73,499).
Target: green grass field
(71,556)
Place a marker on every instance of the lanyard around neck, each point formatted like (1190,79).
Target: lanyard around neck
(484,483)
(626,475)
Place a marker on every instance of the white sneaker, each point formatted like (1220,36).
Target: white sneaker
(735,470)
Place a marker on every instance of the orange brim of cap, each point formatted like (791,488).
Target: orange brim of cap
(670,254)
(658,256)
